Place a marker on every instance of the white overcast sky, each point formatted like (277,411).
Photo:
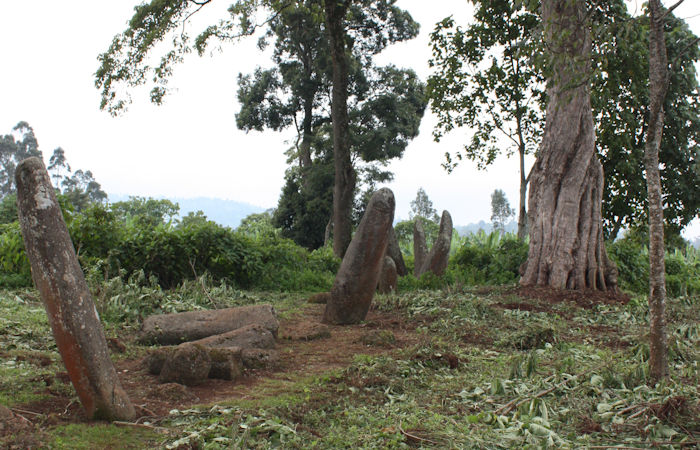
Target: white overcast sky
(190,147)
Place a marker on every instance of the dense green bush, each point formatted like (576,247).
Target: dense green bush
(14,265)
(489,259)
(632,259)
(143,238)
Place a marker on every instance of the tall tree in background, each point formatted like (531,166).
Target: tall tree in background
(422,206)
(497,99)
(58,166)
(500,210)
(385,105)
(127,63)
(619,99)
(566,187)
(79,188)
(344,181)
(15,147)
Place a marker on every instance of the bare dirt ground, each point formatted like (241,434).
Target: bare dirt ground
(301,354)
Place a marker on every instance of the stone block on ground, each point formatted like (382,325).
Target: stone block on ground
(258,358)
(176,328)
(172,392)
(189,364)
(226,363)
(156,359)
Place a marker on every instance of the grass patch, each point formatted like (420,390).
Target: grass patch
(485,369)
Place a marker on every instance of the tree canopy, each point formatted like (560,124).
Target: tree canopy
(465,92)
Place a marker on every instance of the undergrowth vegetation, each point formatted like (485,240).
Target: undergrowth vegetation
(486,369)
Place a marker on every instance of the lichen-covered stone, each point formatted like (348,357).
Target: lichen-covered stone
(420,247)
(437,259)
(358,275)
(189,364)
(388,279)
(156,359)
(258,358)
(394,251)
(176,328)
(249,336)
(226,363)
(70,309)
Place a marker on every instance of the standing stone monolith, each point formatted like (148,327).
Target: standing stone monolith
(71,311)
(439,255)
(394,251)
(388,279)
(420,248)
(359,271)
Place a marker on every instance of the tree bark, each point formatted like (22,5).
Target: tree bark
(71,311)
(522,213)
(344,186)
(567,250)
(658,84)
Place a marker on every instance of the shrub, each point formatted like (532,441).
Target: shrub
(14,265)
(489,259)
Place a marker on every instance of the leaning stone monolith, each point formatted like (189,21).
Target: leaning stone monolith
(394,251)
(388,279)
(358,275)
(420,248)
(439,255)
(69,305)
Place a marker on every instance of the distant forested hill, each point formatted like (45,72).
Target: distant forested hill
(224,212)
(463,230)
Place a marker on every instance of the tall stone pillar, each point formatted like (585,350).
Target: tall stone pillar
(69,305)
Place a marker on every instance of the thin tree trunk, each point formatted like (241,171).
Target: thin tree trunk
(567,250)
(522,213)
(658,82)
(305,147)
(344,186)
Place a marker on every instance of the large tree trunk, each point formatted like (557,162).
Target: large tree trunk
(658,83)
(344,186)
(566,239)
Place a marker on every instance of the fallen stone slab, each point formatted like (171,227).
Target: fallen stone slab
(249,336)
(156,359)
(176,328)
